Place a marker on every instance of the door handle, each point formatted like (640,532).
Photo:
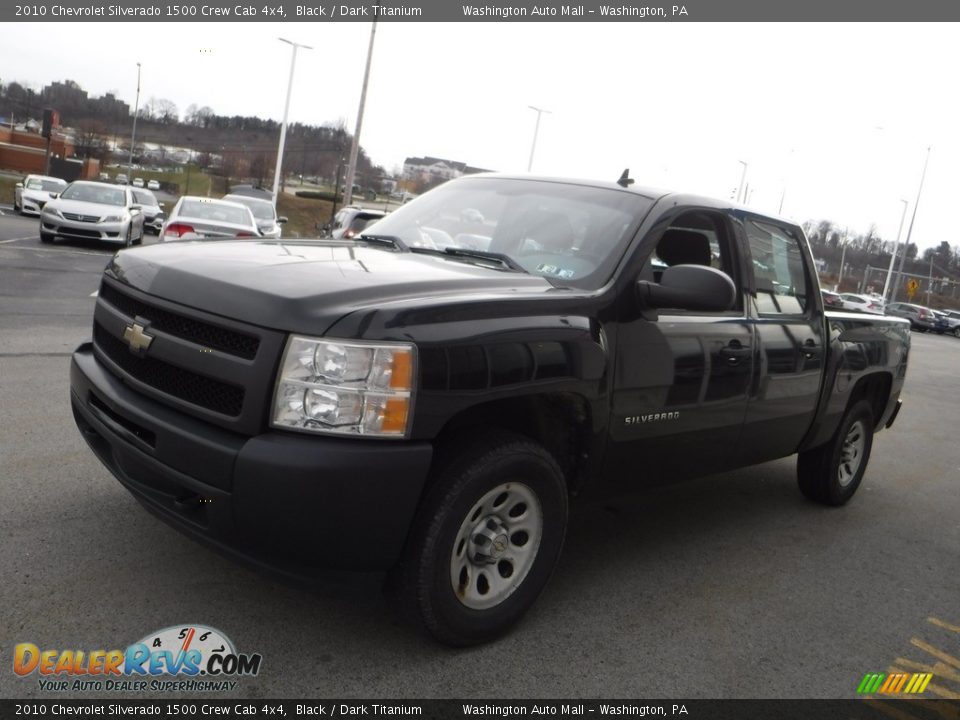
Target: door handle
(811,350)
(735,352)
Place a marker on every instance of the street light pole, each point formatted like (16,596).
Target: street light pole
(896,245)
(536,131)
(286,110)
(133,135)
(355,146)
(743,177)
(913,217)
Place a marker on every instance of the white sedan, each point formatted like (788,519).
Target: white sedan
(34,192)
(863,303)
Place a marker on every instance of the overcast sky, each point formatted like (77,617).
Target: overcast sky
(837,115)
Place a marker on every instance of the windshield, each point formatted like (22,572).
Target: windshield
(102,194)
(262,209)
(45,185)
(144,197)
(570,234)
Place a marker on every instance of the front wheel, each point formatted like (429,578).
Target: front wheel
(956,331)
(488,537)
(46,237)
(830,474)
(128,240)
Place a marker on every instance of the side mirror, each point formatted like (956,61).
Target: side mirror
(689,287)
(162,204)
(54,196)
(136,208)
(282,219)
(19,185)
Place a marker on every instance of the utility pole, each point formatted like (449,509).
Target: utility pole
(536,130)
(133,135)
(286,109)
(743,177)
(893,257)
(913,217)
(355,147)
(930,279)
(843,257)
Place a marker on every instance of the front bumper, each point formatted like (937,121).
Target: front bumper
(31,206)
(77,229)
(283,501)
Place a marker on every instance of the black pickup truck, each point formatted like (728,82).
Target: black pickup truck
(428,398)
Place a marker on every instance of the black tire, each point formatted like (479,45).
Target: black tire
(16,208)
(956,331)
(128,241)
(45,237)
(828,474)
(487,467)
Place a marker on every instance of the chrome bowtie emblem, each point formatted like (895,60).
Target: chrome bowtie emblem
(136,338)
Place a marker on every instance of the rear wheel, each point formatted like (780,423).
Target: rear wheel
(488,537)
(956,331)
(830,474)
(46,237)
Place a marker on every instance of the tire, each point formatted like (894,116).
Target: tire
(128,241)
(956,331)
(830,474)
(503,499)
(45,237)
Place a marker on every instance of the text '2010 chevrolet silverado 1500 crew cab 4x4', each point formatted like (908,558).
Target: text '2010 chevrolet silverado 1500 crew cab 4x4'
(429,397)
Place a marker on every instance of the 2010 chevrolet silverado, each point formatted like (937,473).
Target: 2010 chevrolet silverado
(428,398)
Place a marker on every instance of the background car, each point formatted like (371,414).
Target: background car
(34,192)
(153,185)
(831,300)
(950,323)
(202,218)
(350,222)
(263,211)
(121,179)
(921,318)
(138,182)
(152,209)
(863,303)
(93,211)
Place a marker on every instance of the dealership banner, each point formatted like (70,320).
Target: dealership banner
(479,11)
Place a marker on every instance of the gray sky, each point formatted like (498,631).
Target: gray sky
(839,115)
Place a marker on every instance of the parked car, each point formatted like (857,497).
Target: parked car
(921,318)
(138,182)
(433,411)
(950,320)
(201,218)
(34,192)
(350,222)
(91,210)
(863,303)
(121,179)
(153,185)
(152,210)
(263,211)
(831,299)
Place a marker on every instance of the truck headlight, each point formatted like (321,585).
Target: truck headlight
(346,388)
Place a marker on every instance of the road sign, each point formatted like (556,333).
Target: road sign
(912,287)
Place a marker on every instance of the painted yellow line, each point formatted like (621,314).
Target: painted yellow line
(931,650)
(939,669)
(945,625)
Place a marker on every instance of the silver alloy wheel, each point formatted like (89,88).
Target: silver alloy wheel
(851,454)
(496,545)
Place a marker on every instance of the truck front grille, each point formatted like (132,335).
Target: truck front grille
(202,333)
(220,397)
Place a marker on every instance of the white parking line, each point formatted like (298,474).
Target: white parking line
(54,250)
(32,237)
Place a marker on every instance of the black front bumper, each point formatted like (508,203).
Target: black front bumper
(286,501)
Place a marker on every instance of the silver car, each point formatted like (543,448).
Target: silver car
(201,218)
(34,192)
(263,211)
(93,211)
(151,208)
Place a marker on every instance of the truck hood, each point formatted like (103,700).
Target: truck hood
(306,286)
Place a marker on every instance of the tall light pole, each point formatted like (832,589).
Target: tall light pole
(896,245)
(913,216)
(286,110)
(133,135)
(536,130)
(355,146)
(743,177)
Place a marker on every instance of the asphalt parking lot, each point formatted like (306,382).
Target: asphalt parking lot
(729,586)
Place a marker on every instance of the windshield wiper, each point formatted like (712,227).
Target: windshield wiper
(504,260)
(391,240)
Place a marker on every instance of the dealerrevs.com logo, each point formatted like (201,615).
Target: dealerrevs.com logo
(180,658)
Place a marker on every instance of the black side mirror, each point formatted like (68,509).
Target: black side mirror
(689,287)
